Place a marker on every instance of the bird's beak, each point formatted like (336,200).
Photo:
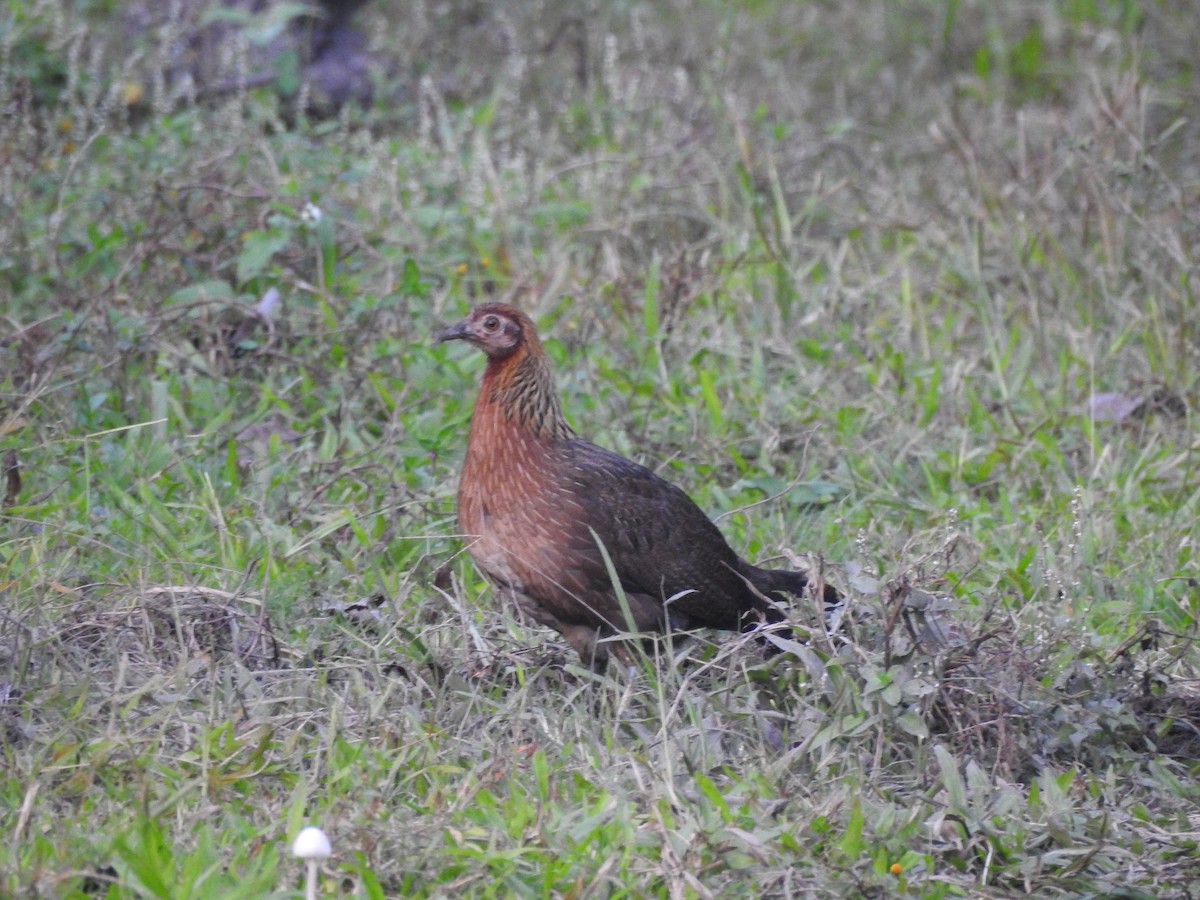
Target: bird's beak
(459,331)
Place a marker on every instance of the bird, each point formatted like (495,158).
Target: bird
(584,540)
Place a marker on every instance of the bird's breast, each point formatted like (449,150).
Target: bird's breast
(509,504)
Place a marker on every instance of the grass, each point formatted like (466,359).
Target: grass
(851,276)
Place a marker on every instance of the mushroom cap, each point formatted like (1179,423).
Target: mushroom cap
(311,843)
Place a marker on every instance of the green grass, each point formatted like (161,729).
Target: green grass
(850,276)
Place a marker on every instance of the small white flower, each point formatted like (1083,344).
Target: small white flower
(311,214)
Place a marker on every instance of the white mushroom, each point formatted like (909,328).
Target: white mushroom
(312,846)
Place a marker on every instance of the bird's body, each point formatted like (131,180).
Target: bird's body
(536,502)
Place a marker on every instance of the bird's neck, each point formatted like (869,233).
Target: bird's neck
(519,391)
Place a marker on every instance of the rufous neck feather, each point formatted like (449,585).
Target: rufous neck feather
(520,387)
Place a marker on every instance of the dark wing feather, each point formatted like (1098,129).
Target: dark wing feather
(660,542)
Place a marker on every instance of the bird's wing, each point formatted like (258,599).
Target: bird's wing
(660,542)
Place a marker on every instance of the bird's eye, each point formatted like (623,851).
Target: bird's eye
(491,323)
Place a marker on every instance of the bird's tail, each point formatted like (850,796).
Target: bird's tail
(775,582)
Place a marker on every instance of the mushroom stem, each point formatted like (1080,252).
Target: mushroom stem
(310,880)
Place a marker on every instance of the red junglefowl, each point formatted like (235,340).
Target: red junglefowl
(536,502)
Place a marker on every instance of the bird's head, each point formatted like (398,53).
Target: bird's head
(495,328)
